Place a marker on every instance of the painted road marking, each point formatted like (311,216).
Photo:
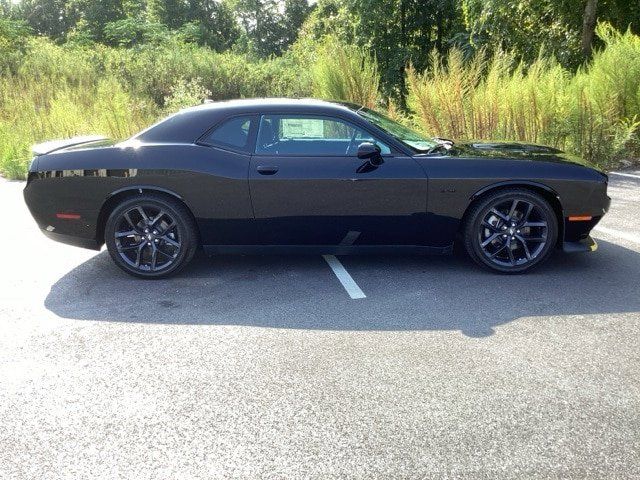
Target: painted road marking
(630,237)
(346,280)
(625,175)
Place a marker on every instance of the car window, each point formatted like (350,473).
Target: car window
(233,133)
(309,135)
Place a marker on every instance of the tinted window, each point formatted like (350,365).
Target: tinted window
(233,133)
(183,127)
(309,135)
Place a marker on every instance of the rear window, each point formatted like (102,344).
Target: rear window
(183,127)
(232,133)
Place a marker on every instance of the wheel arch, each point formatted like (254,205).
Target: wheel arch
(546,192)
(118,196)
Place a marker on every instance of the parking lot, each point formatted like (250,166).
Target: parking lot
(311,367)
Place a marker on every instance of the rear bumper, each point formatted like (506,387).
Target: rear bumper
(89,243)
(587,244)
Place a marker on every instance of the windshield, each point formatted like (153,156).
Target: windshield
(406,135)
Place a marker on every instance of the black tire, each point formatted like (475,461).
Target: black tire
(510,231)
(151,236)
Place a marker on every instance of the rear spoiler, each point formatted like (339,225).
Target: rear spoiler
(53,145)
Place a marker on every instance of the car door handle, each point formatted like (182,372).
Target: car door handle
(267,169)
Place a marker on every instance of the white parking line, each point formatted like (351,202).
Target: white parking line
(625,175)
(617,233)
(346,280)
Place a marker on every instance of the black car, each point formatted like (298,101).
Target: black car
(284,175)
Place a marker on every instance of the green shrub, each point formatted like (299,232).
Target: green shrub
(59,91)
(50,91)
(344,72)
(594,114)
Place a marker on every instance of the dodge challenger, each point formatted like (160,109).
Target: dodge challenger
(292,175)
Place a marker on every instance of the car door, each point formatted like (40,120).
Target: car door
(308,187)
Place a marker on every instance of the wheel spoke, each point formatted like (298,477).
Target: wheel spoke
(489,226)
(129,221)
(490,239)
(512,210)
(524,247)
(129,247)
(168,255)
(525,218)
(499,214)
(139,254)
(157,217)
(169,227)
(143,214)
(170,241)
(154,256)
(127,234)
(494,254)
(512,260)
(534,224)
(534,239)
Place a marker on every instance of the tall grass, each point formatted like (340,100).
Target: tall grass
(61,91)
(593,114)
(346,72)
(49,91)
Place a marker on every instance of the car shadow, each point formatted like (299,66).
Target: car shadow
(403,292)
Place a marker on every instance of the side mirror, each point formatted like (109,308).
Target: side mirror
(370,151)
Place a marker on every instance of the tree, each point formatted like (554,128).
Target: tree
(588,27)
(295,14)
(398,32)
(93,15)
(266,29)
(53,18)
(211,23)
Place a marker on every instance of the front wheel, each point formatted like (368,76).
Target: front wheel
(151,236)
(510,231)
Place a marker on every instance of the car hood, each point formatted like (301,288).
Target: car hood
(513,151)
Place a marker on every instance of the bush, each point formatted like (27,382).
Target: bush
(60,91)
(348,73)
(49,91)
(594,114)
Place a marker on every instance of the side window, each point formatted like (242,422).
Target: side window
(232,133)
(309,135)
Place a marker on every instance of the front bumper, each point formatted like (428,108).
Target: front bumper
(586,244)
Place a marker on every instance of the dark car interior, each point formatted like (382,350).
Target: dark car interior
(272,140)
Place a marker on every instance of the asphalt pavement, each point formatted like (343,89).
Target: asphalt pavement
(362,367)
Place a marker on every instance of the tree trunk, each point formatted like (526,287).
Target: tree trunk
(588,26)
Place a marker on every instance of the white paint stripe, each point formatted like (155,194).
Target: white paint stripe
(625,175)
(630,237)
(346,280)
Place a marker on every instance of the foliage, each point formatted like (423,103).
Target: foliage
(61,91)
(344,72)
(503,69)
(186,94)
(13,43)
(593,114)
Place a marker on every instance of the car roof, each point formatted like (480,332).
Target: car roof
(271,104)
(191,123)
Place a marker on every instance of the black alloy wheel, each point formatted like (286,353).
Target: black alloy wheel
(511,231)
(151,236)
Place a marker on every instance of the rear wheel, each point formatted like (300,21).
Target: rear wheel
(510,231)
(151,236)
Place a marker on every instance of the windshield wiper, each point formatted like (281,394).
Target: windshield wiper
(442,143)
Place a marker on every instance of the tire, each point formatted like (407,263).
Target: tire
(151,236)
(510,231)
